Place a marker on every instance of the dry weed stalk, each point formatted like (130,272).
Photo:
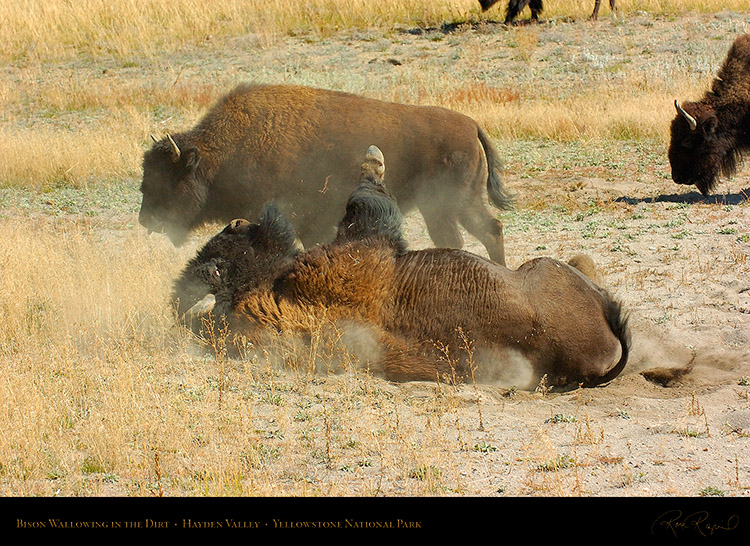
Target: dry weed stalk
(157,470)
(468,347)
(216,339)
(454,381)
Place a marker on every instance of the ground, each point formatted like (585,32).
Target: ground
(677,421)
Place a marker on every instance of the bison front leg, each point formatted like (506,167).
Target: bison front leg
(514,8)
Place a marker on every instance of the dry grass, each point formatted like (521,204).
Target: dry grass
(106,396)
(36,30)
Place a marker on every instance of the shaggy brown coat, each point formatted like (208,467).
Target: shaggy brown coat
(709,137)
(301,148)
(448,312)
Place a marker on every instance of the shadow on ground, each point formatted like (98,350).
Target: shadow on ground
(691,197)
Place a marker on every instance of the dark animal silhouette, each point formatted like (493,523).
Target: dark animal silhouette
(709,137)
(433,312)
(301,148)
(517,6)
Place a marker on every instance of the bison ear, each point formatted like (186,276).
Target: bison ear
(277,231)
(708,126)
(192,158)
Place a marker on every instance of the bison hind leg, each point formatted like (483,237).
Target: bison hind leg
(585,265)
(482,225)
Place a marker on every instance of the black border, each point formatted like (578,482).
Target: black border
(678,518)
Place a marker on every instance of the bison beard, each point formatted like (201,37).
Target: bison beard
(301,148)
(433,312)
(516,6)
(709,137)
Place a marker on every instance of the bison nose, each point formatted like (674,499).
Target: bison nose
(677,178)
(146,219)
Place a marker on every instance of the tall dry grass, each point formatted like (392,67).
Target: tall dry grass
(101,394)
(37,30)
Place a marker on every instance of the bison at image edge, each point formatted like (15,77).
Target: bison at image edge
(709,137)
(516,6)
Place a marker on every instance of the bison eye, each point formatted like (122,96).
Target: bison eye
(216,273)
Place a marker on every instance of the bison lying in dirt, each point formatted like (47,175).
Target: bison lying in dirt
(710,136)
(516,6)
(432,313)
(301,148)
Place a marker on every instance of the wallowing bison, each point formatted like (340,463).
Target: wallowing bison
(708,137)
(517,6)
(433,312)
(301,148)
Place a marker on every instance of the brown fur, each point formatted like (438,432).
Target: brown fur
(722,132)
(301,147)
(428,304)
(585,265)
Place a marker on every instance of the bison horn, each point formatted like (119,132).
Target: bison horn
(203,306)
(374,154)
(690,119)
(238,223)
(154,138)
(175,148)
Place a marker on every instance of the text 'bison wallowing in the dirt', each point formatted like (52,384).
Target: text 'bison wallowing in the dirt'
(301,148)
(709,136)
(429,313)
(517,6)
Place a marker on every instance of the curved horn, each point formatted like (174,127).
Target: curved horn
(374,154)
(175,148)
(202,307)
(690,119)
(154,138)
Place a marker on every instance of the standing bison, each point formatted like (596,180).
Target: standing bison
(516,6)
(432,312)
(301,148)
(708,137)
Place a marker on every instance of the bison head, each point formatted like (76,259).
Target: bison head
(241,257)
(173,192)
(698,153)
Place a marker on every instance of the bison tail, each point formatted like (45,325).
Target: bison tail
(617,319)
(495,189)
